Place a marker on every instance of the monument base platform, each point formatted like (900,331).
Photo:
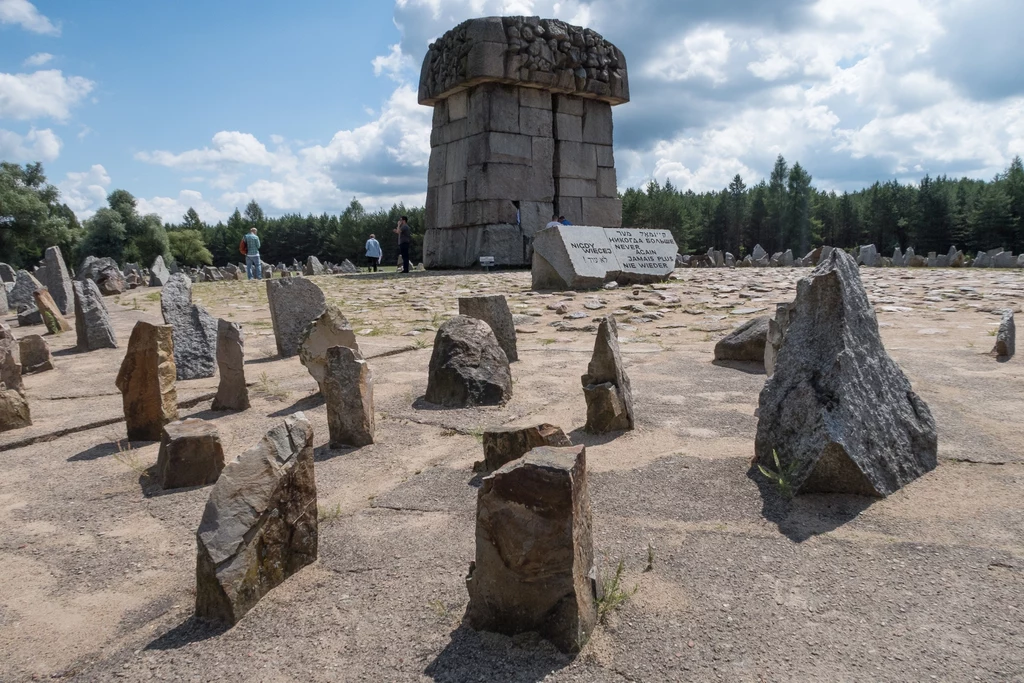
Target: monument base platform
(463,247)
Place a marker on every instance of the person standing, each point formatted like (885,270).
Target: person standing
(553,223)
(373,253)
(252,255)
(404,233)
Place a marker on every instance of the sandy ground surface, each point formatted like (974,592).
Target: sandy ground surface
(98,564)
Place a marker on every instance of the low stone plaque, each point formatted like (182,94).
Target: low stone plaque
(585,257)
(643,255)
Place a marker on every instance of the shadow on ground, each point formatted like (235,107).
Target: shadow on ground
(306,403)
(747,366)
(191,630)
(481,656)
(96,452)
(581,437)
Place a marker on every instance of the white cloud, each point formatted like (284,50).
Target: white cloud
(25,14)
(171,209)
(394,64)
(41,94)
(229,148)
(702,53)
(38,59)
(36,145)
(85,191)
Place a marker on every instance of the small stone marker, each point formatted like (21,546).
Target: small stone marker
(58,281)
(585,257)
(534,550)
(14,412)
(232,394)
(92,322)
(195,330)
(158,273)
(10,360)
(329,330)
(1006,336)
(54,320)
(348,392)
(260,523)
(467,366)
(190,454)
(606,385)
(502,446)
(838,411)
(295,302)
(146,382)
(35,354)
(745,343)
(493,310)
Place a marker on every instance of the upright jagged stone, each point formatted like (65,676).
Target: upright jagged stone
(106,274)
(159,275)
(232,394)
(348,392)
(25,285)
(295,302)
(534,566)
(260,523)
(313,266)
(467,366)
(190,454)
(92,322)
(493,310)
(606,385)
(329,330)
(58,281)
(50,313)
(146,381)
(10,360)
(502,446)
(35,354)
(838,411)
(1006,336)
(195,330)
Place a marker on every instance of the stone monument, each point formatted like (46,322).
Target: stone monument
(522,130)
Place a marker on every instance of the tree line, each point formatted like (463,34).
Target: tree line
(784,211)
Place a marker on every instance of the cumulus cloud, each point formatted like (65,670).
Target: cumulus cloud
(24,14)
(42,94)
(85,191)
(395,64)
(36,145)
(229,148)
(38,59)
(171,209)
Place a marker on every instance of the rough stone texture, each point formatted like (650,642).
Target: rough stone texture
(158,273)
(24,285)
(868,256)
(10,360)
(1006,336)
(7,274)
(467,366)
(502,446)
(29,315)
(50,313)
(347,386)
(838,411)
(776,332)
(232,394)
(146,381)
(295,302)
(534,566)
(190,454)
(493,310)
(58,281)
(746,342)
(260,523)
(35,354)
(14,411)
(4,306)
(330,329)
(313,266)
(522,128)
(92,322)
(606,385)
(195,330)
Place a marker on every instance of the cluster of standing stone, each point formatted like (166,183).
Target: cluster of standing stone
(522,130)
(866,255)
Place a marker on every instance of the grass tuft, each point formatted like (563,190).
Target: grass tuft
(614,594)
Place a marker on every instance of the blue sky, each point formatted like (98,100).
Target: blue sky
(305,105)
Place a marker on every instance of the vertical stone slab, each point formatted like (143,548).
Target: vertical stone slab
(58,281)
(54,320)
(260,523)
(330,329)
(493,310)
(190,454)
(24,285)
(348,391)
(10,360)
(295,302)
(146,381)
(92,322)
(232,393)
(606,385)
(502,446)
(534,549)
(195,330)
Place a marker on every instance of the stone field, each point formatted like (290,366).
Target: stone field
(721,577)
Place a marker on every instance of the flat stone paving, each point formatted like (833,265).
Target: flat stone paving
(925,585)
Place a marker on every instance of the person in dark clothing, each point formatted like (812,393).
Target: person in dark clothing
(404,233)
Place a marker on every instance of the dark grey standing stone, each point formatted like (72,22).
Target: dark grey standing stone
(232,394)
(24,286)
(29,315)
(260,523)
(35,354)
(195,330)
(502,446)
(467,366)
(313,266)
(493,310)
(348,267)
(838,411)
(295,302)
(159,275)
(606,385)
(7,274)
(1006,336)
(58,281)
(534,550)
(745,343)
(348,392)
(190,454)
(92,322)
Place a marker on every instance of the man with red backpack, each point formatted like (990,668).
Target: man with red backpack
(250,246)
